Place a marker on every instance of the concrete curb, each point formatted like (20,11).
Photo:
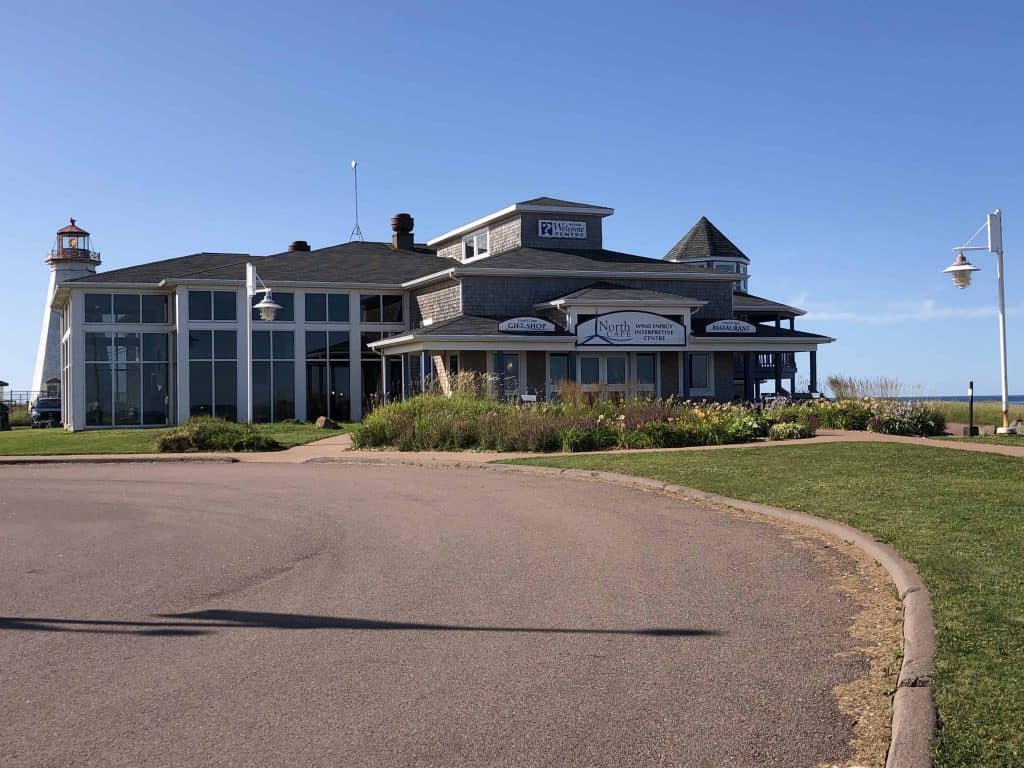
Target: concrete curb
(141,458)
(913,717)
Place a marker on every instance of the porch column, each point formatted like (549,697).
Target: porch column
(499,365)
(777,359)
(686,375)
(383,378)
(748,376)
(792,325)
(571,372)
(814,370)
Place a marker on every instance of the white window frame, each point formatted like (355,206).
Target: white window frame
(520,367)
(653,386)
(476,237)
(707,391)
(551,386)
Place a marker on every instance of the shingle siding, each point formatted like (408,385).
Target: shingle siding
(507,297)
(436,302)
(506,235)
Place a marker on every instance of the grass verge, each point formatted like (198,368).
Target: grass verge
(985,411)
(58,442)
(989,439)
(956,515)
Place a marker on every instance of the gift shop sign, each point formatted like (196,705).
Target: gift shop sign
(630,329)
(526,325)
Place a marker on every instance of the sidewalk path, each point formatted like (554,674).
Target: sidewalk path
(338,448)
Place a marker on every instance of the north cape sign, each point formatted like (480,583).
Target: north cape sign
(630,329)
(570,230)
(730,326)
(526,325)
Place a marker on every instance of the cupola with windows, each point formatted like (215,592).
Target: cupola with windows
(72,245)
(705,246)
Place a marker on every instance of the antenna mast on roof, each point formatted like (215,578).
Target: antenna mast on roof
(357,233)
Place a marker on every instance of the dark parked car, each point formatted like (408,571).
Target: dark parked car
(46,412)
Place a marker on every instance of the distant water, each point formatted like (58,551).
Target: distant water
(1012,399)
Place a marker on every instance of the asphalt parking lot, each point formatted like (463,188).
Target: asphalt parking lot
(324,615)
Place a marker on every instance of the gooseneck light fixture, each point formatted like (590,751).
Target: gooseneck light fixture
(961,270)
(254,286)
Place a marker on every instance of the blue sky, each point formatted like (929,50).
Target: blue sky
(845,147)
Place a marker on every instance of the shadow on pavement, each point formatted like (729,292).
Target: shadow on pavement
(205,622)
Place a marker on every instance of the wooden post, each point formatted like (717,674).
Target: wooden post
(814,370)
(777,359)
(686,375)
(748,376)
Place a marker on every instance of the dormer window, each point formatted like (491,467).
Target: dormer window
(475,246)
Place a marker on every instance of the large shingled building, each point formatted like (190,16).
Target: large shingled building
(528,293)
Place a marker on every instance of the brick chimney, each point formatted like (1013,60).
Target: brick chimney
(401,226)
(298,245)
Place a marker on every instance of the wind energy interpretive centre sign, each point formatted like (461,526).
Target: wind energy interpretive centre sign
(630,329)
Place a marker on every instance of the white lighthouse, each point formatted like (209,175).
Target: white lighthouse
(71,257)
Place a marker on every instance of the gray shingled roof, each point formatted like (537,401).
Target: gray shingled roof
(182,266)
(585,260)
(603,291)
(703,241)
(748,302)
(355,262)
(554,202)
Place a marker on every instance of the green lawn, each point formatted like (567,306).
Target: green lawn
(985,412)
(959,516)
(23,441)
(991,439)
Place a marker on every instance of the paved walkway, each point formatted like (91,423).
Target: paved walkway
(339,449)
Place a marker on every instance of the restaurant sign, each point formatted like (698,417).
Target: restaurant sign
(730,326)
(526,325)
(571,230)
(630,329)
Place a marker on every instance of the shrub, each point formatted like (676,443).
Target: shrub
(789,430)
(893,417)
(207,433)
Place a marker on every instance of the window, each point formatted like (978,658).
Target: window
(328,375)
(700,375)
(645,369)
(374,308)
(326,307)
(453,365)
(725,266)
(126,379)
(287,311)
(506,366)
(273,375)
(617,365)
(558,367)
(590,370)
(213,373)
(125,308)
(475,245)
(212,305)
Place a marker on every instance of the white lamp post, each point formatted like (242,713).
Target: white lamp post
(961,270)
(268,311)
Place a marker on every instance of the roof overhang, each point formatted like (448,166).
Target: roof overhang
(596,307)
(519,208)
(751,343)
(409,342)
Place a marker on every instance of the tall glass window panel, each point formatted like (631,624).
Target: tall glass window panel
(316,390)
(126,308)
(98,308)
(616,370)
(284,345)
(154,347)
(225,392)
(261,345)
(200,388)
(127,394)
(337,307)
(316,345)
(339,348)
(225,345)
(98,347)
(200,345)
(316,307)
(699,371)
(284,390)
(154,309)
(127,347)
(558,366)
(224,305)
(364,341)
(99,396)
(155,396)
(391,309)
(369,308)
(590,370)
(200,305)
(262,408)
(645,368)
